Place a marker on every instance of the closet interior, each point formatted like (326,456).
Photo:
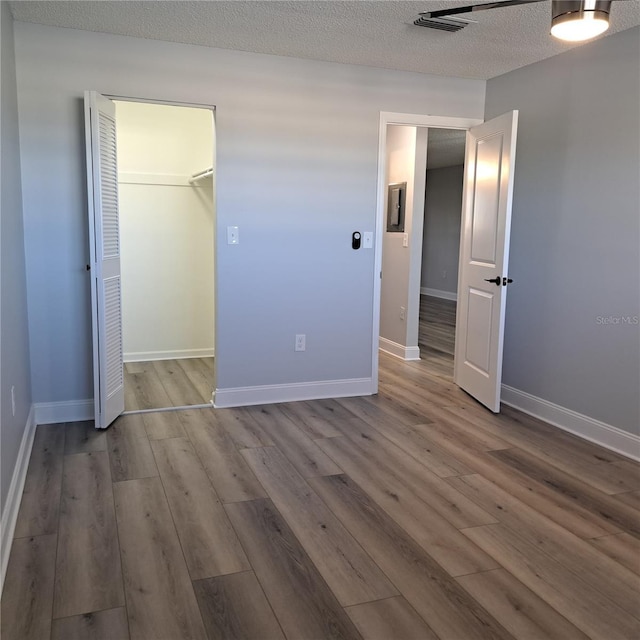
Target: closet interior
(167,219)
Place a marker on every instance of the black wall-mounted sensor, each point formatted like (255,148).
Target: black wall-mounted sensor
(356,237)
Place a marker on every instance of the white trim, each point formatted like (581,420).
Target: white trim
(70,411)
(606,435)
(272,393)
(163,179)
(439,293)
(80,410)
(14,495)
(168,103)
(386,118)
(147,356)
(435,122)
(399,350)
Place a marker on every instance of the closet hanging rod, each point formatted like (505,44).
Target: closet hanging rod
(202,174)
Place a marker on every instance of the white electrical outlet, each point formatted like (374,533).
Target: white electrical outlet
(13,401)
(403,313)
(301,342)
(444,274)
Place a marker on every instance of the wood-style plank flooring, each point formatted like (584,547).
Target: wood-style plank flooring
(411,515)
(436,334)
(161,384)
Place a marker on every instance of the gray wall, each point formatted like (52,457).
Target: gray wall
(14,343)
(575,230)
(297,145)
(442,218)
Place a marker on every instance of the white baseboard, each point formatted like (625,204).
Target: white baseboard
(606,435)
(76,411)
(271,393)
(437,293)
(147,356)
(14,496)
(70,411)
(399,350)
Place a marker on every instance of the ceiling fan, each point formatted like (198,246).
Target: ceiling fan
(572,20)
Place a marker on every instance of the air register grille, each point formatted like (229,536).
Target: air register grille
(441,24)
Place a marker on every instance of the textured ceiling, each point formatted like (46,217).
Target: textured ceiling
(445,148)
(378,34)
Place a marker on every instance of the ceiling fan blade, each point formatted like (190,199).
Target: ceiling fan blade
(475,7)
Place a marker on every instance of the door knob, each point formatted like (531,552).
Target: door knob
(495,280)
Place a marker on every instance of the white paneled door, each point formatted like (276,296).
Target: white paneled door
(104,236)
(484,258)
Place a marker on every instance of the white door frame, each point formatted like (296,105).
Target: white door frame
(415,120)
(212,108)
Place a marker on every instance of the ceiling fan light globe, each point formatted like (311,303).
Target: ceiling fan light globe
(579,30)
(579,20)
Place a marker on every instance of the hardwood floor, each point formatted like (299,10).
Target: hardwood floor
(413,514)
(436,334)
(167,383)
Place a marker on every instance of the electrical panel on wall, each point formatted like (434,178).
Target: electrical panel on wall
(396,203)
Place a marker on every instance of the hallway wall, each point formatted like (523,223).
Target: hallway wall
(442,220)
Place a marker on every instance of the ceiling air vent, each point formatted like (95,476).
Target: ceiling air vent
(442,24)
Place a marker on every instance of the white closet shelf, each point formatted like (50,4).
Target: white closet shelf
(200,175)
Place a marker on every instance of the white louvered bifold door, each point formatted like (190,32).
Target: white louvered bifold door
(104,233)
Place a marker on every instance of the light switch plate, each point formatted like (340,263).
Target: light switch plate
(405,240)
(367,240)
(233,235)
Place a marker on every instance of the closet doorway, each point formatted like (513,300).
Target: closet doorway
(166,192)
